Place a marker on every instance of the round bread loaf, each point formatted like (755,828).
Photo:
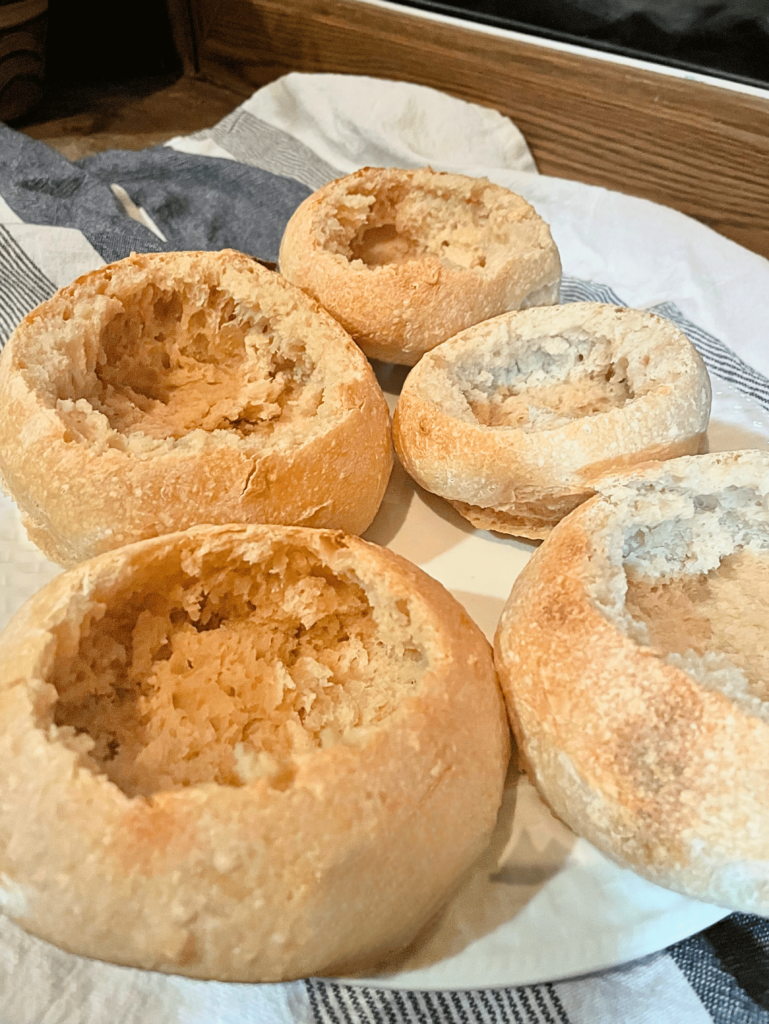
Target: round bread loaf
(634,656)
(513,420)
(405,259)
(180,388)
(247,753)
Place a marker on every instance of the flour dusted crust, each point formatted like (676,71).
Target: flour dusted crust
(633,656)
(179,388)
(405,259)
(247,753)
(514,419)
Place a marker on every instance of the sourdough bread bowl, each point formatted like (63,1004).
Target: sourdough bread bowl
(406,259)
(633,653)
(172,389)
(513,420)
(247,753)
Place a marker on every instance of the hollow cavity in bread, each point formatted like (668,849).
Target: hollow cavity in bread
(505,378)
(166,361)
(377,246)
(173,365)
(464,222)
(714,626)
(562,378)
(694,581)
(232,676)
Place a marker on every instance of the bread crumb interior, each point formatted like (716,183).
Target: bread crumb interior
(552,405)
(398,220)
(167,362)
(722,612)
(551,382)
(377,246)
(680,563)
(232,676)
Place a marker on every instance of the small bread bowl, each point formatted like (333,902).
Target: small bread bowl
(172,389)
(406,259)
(514,420)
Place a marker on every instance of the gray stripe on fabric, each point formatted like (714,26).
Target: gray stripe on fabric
(380,1004)
(508,1015)
(456,1009)
(575,290)
(438,1004)
(545,1004)
(363,1014)
(336,1012)
(718,991)
(314,996)
(200,202)
(492,1012)
(253,141)
(557,1004)
(531,1013)
(339,997)
(42,187)
(333,1003)
(450,1009)
(515,1005)
(417,1003)
(405,1013)
(22,284)
(719,359)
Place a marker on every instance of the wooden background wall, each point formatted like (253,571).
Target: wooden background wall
(701,149)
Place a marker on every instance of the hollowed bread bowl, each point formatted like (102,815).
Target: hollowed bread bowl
(633,653)
(406,259)
(247,753)
(179,388)
(514,420)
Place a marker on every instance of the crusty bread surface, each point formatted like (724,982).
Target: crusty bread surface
(406,259)
(247,753)
(633,657)
(514,419)
(172,389)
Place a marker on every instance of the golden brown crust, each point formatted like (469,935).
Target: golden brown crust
(400,302)
(86,483)
(661,767)
(620,387)
(532,522)
(339,863)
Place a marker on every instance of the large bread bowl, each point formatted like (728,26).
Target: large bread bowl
(247,753)
(172,389)
(633,657)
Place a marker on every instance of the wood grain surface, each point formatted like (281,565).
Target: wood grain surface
(82,119)
(699,148)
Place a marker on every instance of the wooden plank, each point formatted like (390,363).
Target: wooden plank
(698,148)
(184,34)
(80,120)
